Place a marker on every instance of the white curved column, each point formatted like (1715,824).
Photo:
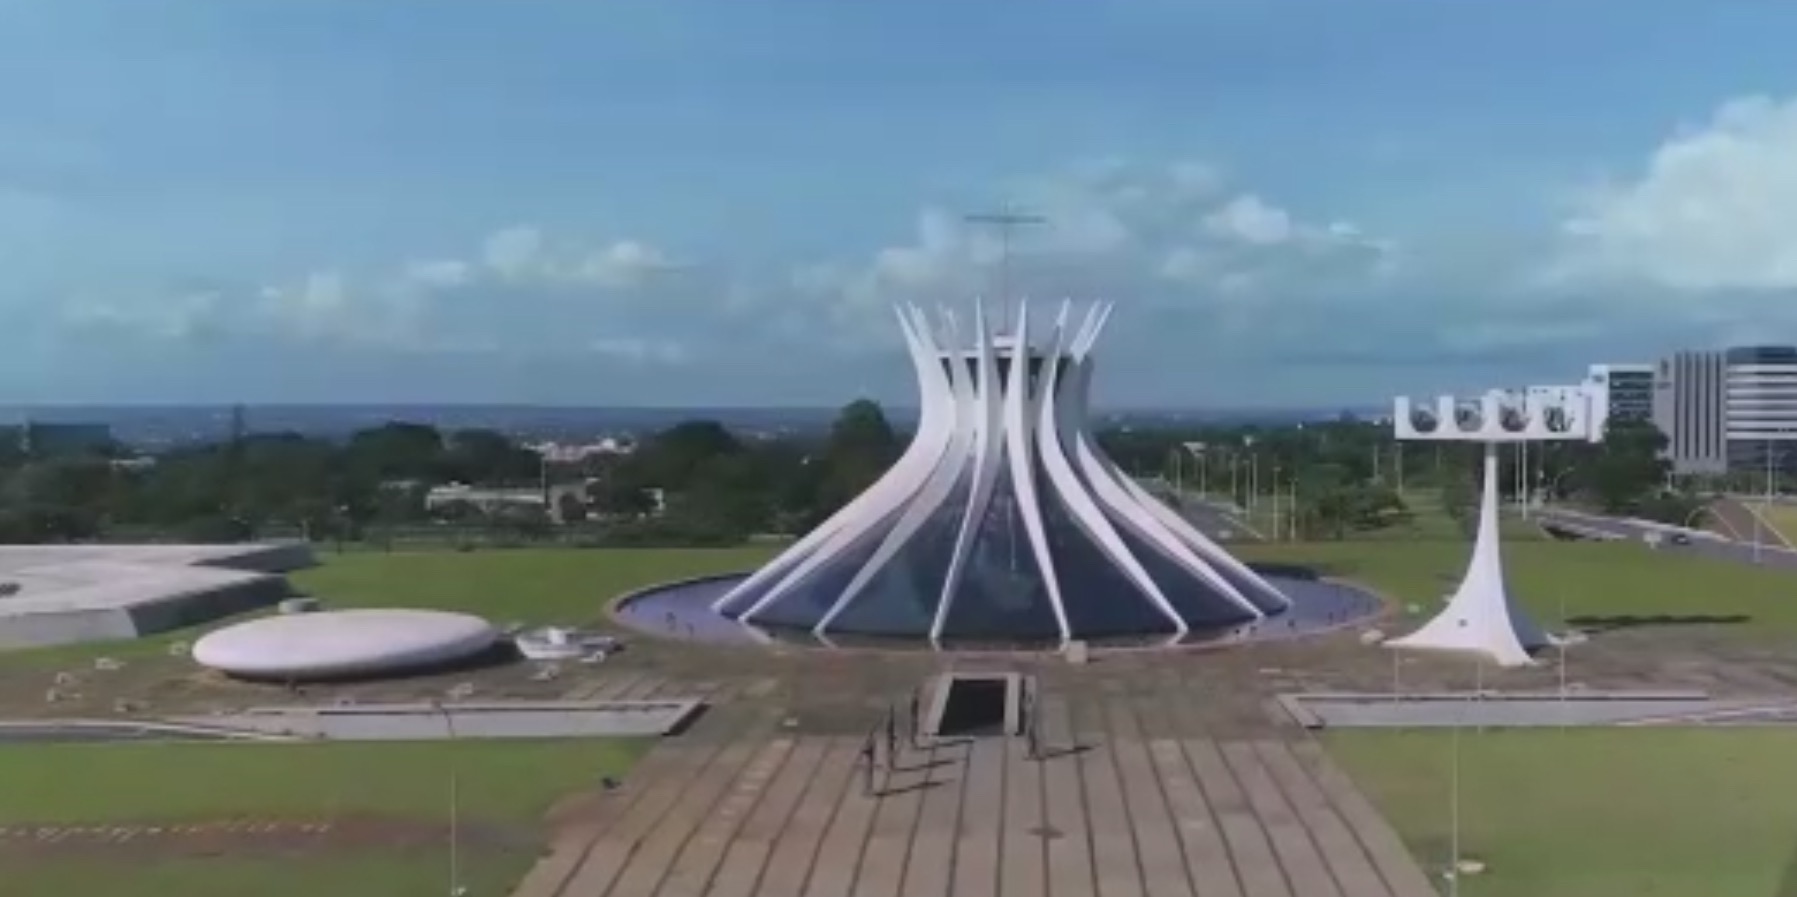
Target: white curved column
(1139,520)
(1206,549)
(936,489)
(1200,543)
(1072,492)
(857,521)
(1020,402)
(988,460)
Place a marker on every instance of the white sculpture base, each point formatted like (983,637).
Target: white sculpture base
(1480,618)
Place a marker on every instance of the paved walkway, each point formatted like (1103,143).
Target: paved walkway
(1117,810)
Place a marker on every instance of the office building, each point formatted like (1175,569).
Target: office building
(1622,390)
(1690,407)
(1761,407)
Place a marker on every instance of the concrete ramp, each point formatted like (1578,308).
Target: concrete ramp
(429,722)
(1529,709)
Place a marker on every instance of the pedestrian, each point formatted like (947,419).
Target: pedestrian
(892,737)
(867,766)
(1032,746)
(916,715)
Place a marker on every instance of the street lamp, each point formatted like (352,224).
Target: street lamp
(1461,711)
(1553,486)
(1293,504)
(1759,519)
(1278,533)
(455,805)
(1235,467)
(1200,453)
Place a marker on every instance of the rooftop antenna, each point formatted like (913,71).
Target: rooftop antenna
(1006,219)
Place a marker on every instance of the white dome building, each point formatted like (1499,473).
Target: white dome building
(1003,520)
(343,643)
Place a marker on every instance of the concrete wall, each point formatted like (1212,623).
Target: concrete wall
(66,628)
(181,611)
(272,557)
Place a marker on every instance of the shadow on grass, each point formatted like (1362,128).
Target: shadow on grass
(1787,883)
(1615,622)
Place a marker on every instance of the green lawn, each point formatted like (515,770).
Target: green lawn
(510,783)
(1595,812)
(1592,579)
(1781,517)
(1429,520)
(539,585)
(1591,795)
(531,585)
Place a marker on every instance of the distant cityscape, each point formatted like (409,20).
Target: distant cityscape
(155,428)
(1722,411)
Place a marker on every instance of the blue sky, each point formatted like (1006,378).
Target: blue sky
(1292,202)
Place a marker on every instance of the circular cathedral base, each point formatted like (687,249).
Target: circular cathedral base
(682,610)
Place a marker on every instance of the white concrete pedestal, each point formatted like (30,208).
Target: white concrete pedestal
(1481,618)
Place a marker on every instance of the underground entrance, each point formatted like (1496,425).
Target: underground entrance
(973,705)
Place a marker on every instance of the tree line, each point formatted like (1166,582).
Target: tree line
(698,482)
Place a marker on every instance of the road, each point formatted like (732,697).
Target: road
(1610,527)
(1741,522)
(1214,519)
(1216,522)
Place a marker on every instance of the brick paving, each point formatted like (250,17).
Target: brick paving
(1136,796)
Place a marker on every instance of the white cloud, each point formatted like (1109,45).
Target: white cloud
(637,350)
(515,252)
(1169,236)
(439,274)
(522,254)
(519,291)
(622,265)
(1191,256)
(1250,220)
(1714,209)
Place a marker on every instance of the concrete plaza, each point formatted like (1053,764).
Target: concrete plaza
(1133,798)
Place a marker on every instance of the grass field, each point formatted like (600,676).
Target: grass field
(1591,795)
(500,784)
(1589,579)
(570,586)
(533,585)
(1595,812)
(1781,517)
(1429,520)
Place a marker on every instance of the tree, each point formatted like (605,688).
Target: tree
(861,447)
(488,457)
(397,451)
(672,457)
(570,508)
(1626,467)
(619,494)
(1339,508)
(1460,499)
